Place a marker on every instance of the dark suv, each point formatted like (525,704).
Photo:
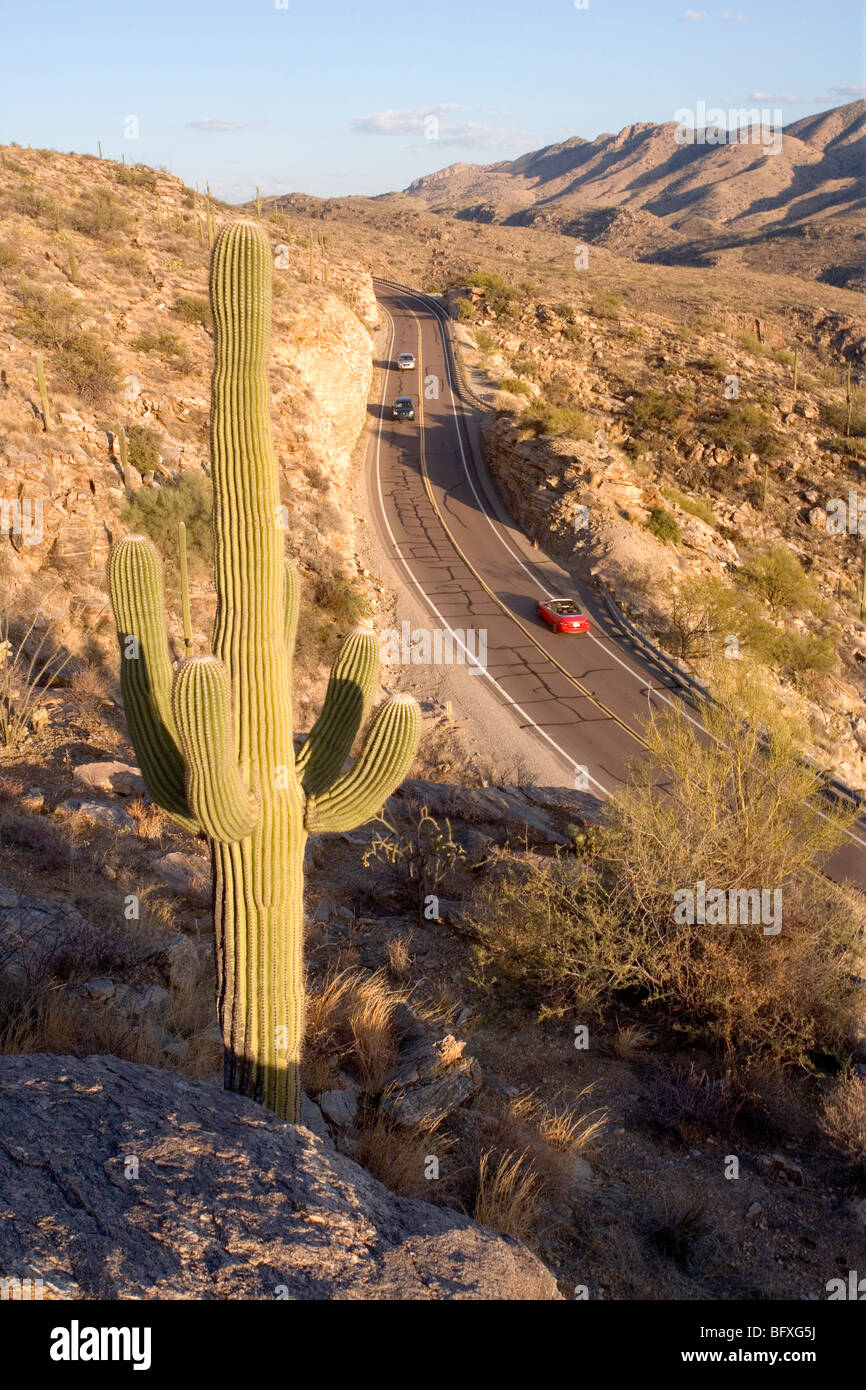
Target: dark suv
(403,408)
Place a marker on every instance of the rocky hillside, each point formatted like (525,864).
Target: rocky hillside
(103,281)
(681,464)
(645,195)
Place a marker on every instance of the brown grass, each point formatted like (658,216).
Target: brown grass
(350,1020)
(508,1195)
(844,1117)
(398,1156)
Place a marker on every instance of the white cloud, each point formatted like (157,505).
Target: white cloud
(407,122)
(211,123)
(772,96)
(734,15)
(848,89)
(690,16)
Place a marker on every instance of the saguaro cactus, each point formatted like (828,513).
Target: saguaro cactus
(214,737)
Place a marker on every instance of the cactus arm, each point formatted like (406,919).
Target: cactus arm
(217,794)
(384,760)
(353,681)
(137,599)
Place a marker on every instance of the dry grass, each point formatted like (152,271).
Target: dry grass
(631,1041)
(147,818)
(349,1020)
(508,1197)
(401,1158)
(399,959)
(844,1117)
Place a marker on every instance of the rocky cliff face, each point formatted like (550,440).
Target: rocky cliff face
(100,1156)
(103,275)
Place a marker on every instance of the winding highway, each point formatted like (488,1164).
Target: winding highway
(438,515)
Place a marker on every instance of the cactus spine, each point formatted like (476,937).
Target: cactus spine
(214,738)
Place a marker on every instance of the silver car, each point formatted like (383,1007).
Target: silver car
(406,362)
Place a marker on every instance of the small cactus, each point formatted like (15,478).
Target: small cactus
(214,737)
(43,393)
(73,263)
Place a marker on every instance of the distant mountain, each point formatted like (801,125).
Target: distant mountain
(644,195)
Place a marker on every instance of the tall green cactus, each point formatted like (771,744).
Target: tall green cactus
(214,736)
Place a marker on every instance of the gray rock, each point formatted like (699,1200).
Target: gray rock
(313,1119)
(99,990)
(98,811)
(340,1107)
(244,1206)
(111,777)
(35,933)
(187,874)
(178,961)
(432,1098)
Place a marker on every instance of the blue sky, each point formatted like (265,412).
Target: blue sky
(337,97)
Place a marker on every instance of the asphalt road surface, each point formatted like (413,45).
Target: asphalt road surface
(437,513)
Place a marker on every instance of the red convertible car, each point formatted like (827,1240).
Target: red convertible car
(563,615)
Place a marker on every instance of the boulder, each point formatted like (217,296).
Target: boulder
(35,933)
(187,874)
(111,777)
(120,1181)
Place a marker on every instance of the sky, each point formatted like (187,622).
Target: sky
(332,97)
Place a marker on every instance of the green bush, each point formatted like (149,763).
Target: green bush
(41,207)
(142,444)
(165,345)
(652,410)
(663,525)
(696,506)
(485,342)
(776,576)
(192,308)
(465,309)
(556,421)
(342,598)
(98,213)
(156,512)
(746,429)
(515,386)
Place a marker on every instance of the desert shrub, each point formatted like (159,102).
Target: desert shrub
(156,512)
(128,259)
(499,295)
(192,308)
(47,317)
(87,365)
(745,429)
(465,309)
(165,345)
(142,445)
(572,332)
(794,651)
(98,213)
(738,815)
(696,506)
(137,176)
(515,386)
(652,410)
(663,525)
(564,310)
(8,256)
(485,342)
(605,305)
(41,207)
(341,597)
(844,1117)
(835,414)
(544,418)
(702,612)
(776,575)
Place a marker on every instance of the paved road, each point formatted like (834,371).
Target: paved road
(437,512)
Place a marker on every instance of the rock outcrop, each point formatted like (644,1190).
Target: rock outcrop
(120,1181)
